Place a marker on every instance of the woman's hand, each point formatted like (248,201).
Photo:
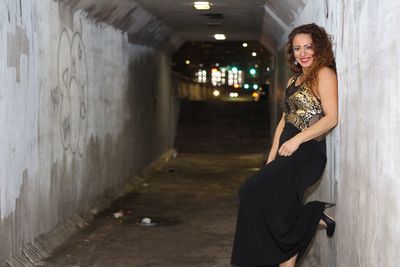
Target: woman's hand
(289,147)
(271,157)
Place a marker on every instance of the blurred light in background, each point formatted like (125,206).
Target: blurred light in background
(230,77)
(216,93)
(222,76)
(219,36)
(216,77)
(201,76)
(256,96)
(255,86)
(187,61)
(240,77)
(235,76)
(202,5)
(228,64)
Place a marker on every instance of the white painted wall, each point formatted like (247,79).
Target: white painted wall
(362,172)
(81,111)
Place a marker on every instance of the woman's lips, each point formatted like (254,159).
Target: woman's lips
(305,60)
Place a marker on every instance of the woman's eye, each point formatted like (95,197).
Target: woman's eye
(296,49)
(308,47)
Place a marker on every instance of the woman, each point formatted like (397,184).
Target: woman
(274,227)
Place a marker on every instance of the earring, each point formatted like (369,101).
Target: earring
(295,62)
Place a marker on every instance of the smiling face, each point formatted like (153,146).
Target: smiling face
(303,49)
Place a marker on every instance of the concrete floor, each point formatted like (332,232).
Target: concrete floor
(194,200)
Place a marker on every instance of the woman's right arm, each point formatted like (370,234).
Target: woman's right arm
(278,132)
(275,143)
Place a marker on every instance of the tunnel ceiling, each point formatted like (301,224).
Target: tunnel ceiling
(264,20)
(278,18)
(157,22)
(126,15)
(238,19)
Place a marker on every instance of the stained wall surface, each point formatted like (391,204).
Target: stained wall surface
(81,111)
(362,173)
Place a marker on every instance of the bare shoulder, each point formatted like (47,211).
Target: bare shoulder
(327,82)
(327,75)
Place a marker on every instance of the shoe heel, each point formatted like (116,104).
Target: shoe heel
(330,224)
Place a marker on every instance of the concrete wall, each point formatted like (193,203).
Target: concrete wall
(362,173)
(82,110)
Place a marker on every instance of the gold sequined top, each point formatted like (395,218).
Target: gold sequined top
(302,108)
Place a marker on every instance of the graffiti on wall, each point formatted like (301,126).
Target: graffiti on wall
(70,97)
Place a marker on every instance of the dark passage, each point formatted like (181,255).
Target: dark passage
(223,127)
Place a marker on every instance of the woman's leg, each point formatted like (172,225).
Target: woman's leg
(289,263)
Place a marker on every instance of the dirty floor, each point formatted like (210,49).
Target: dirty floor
(193,203)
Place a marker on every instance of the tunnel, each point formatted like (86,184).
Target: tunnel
(111,118)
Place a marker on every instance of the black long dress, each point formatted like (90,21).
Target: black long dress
(273,224)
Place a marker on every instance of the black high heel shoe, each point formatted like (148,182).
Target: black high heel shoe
(329,205)
(330,224)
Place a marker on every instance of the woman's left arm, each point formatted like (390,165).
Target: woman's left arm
(327,91)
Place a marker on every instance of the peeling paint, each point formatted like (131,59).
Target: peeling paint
(17,45)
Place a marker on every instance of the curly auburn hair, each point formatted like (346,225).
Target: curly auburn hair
(323,54)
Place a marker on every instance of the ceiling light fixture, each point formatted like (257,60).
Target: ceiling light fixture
(219,36)
(202,5)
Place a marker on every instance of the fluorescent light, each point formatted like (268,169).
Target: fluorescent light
(202,5)
(219,36)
